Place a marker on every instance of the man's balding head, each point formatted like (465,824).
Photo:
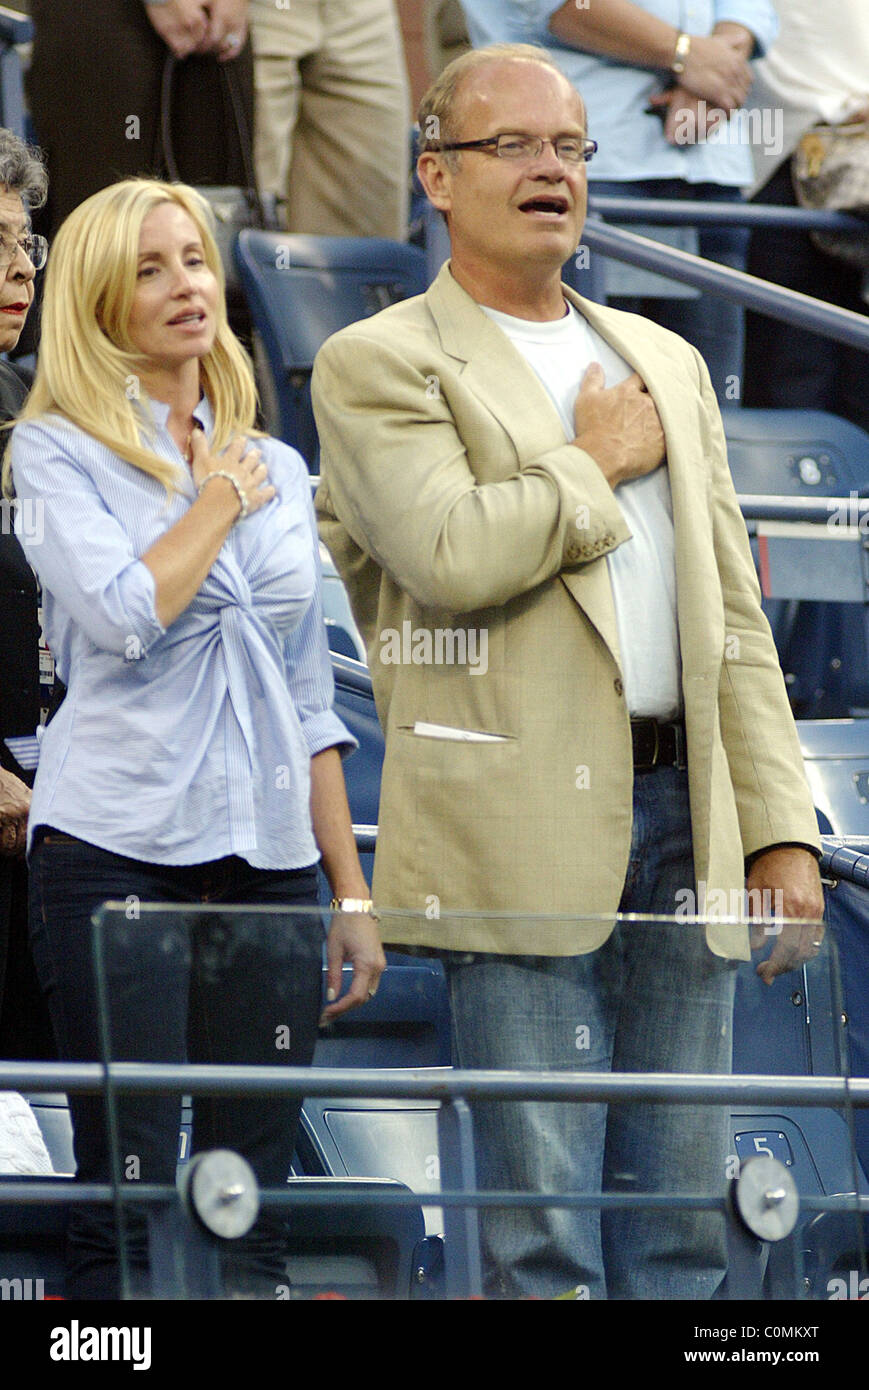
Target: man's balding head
(441,108)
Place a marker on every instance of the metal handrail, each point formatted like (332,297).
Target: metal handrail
(842,325)
(843,862)
(366,835)
(460,1199)
(814,510)
(447,1084)
(672,212)
(44,1192)
(38,1192)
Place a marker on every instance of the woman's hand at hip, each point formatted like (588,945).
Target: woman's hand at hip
(354,937)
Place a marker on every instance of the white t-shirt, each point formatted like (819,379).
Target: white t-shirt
(643,569)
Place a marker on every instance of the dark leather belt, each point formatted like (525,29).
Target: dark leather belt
(657,744)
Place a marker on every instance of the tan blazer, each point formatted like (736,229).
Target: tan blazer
(452,504)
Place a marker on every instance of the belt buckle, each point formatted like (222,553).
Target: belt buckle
(657,749)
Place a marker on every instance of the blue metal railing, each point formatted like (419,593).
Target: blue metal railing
(153,1078)
(842,325)
(815,510)
(459,1197)
(844,861)
(673,213)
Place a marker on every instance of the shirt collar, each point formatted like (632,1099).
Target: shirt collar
(159,411)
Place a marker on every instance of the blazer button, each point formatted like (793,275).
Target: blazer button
(617,686)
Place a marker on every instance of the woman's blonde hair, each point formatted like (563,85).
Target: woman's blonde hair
(88,369)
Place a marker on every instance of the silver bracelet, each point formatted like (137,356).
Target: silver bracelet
(222,473)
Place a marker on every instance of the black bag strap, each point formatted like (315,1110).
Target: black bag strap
(233,96)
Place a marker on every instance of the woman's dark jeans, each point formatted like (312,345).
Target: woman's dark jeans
(212,988)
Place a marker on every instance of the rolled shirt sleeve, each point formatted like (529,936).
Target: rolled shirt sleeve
(307,658)
(78,548)
(757,16)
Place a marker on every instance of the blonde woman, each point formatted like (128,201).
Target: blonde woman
(196,755)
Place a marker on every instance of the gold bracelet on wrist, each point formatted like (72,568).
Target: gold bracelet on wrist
(363,905)
(680,55)
(222,473)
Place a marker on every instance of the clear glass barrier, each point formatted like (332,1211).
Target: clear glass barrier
(608,1018)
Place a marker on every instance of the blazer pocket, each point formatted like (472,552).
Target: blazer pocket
(450,734)
(454,819)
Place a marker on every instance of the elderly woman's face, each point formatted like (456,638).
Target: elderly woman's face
(173,319)
(16,284)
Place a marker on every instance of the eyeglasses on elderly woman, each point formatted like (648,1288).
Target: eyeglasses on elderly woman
(34,247)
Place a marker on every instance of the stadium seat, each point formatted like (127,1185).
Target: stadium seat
(52,1114)
(416,223)
(355,1251)
(354,703)
(847,919)
(791,1028)
(406,1024)
(300,290)
(795,453)
(32,1240)
(14,29)
(341,631)
(823,646)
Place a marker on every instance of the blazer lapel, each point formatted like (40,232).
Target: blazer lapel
(499,376)
(695,567)
(495,372)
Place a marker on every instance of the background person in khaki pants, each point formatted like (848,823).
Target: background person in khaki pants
(332,123)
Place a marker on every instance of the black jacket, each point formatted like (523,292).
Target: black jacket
(19,623)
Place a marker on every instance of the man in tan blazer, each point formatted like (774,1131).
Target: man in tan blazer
(528,498)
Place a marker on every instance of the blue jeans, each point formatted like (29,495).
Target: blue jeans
(652,998)
(712,325)
(214,989)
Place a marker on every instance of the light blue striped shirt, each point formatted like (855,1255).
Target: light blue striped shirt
(184,744)
(632,144)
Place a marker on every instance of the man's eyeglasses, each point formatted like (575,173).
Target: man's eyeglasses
(34,247)
(569,149)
